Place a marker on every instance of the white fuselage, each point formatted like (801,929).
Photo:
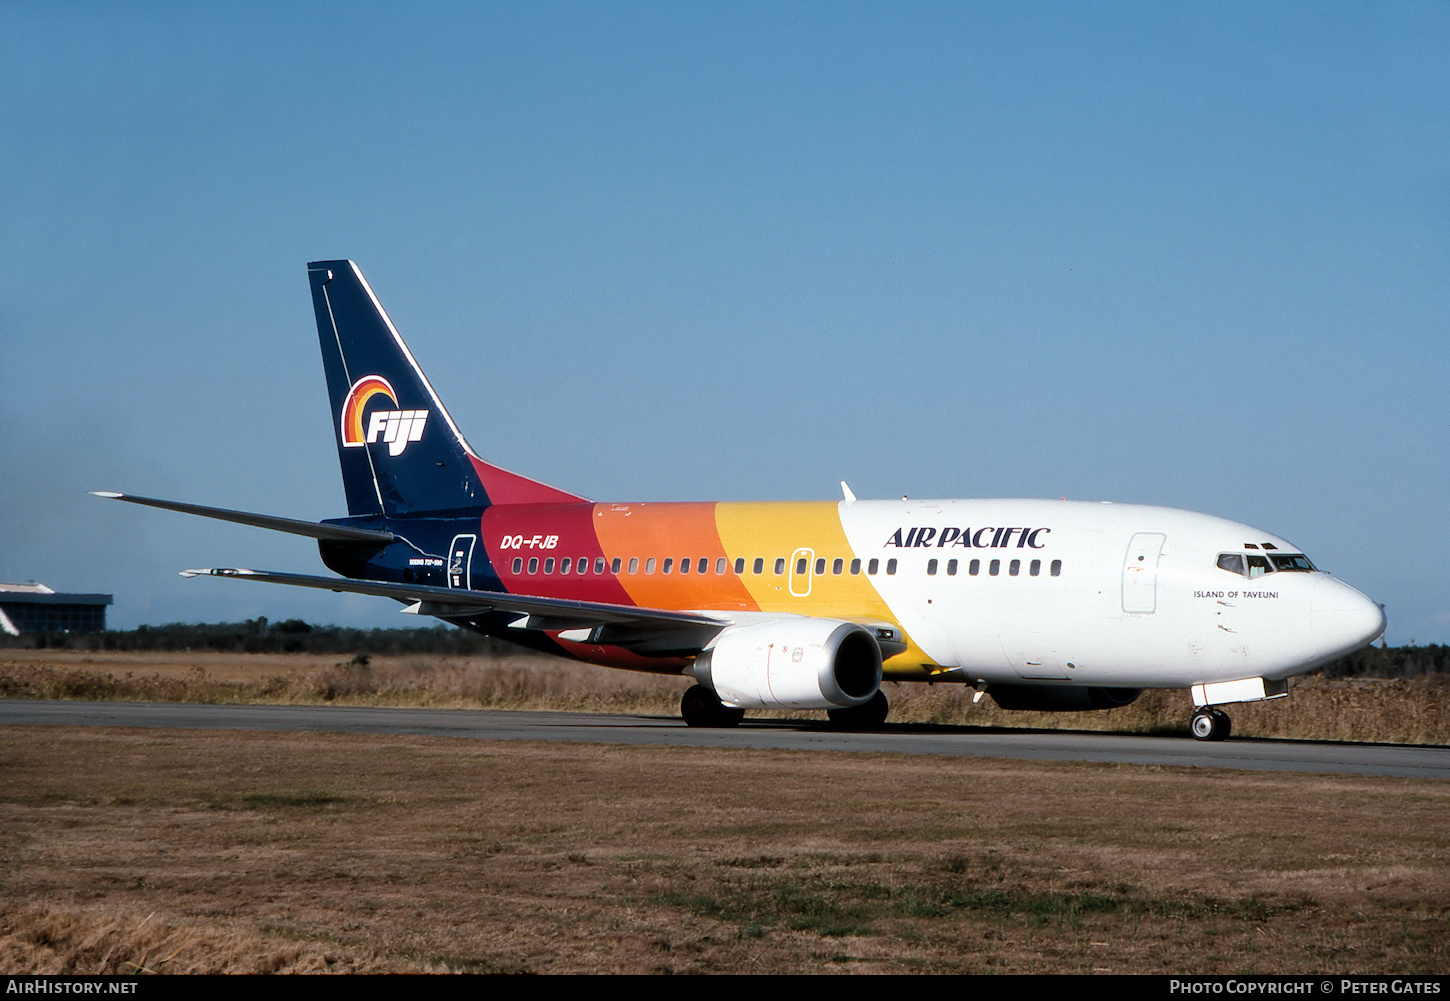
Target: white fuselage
(1139,599)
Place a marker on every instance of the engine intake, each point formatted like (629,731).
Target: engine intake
(792,663)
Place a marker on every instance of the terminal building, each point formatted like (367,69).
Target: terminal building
(35,608)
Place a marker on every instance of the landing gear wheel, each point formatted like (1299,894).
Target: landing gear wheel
(1210,724)
(702,707)
(1224,722)
(867,716)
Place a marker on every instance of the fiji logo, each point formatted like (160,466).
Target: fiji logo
(394,427)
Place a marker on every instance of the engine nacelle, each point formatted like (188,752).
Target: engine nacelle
(792,663)
(1061,698)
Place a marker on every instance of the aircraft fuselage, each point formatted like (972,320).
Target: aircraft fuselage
(1002,591)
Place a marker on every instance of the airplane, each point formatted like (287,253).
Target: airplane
(1041,604)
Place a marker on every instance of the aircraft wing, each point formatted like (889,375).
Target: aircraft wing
(587,621)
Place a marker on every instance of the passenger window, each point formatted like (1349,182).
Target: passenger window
(931,568)
(633,564)
(1035,568)
(565,563)
(994,568)
(533,565)
(779,565)
(549,565)
(855,566)
(669,565)
(800,565)
(1057,568)
(837,566)
(890,567)
(759,566)
(518,564)
(974,567)
(821,565)
(739,565)
(872,566)
(705,565)
(951,568)
(649,565)
(1232,562)
(1014,567)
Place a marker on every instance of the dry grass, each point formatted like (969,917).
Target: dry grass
(213,852)
(1413,711)
(1406,711)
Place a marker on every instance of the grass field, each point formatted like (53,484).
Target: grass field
(163,851)
(1415,710)
(186,852)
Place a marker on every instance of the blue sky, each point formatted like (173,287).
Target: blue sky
(1191,255)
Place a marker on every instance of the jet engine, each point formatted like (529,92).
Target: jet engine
(792,663)
(1060,698)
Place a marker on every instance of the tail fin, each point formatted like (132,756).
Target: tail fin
(400,451)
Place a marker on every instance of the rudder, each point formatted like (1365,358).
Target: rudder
(400,451)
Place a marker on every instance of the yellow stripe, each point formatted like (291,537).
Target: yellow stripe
(772,531)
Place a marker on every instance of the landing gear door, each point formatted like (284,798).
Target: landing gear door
(1140,572)
(460,561)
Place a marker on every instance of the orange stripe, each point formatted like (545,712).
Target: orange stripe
(669,531)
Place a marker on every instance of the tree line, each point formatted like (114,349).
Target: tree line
(296,636)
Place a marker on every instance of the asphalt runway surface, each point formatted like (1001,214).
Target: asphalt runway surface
(902,738)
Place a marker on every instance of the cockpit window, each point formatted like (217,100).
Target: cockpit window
(1232,562)
(1253,565)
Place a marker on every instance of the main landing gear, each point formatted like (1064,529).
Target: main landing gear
(867,716)
(702,707)
(1210,724)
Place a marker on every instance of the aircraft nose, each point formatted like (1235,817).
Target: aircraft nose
(1342,619)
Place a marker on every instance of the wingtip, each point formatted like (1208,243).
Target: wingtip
(850,497)
(108,494)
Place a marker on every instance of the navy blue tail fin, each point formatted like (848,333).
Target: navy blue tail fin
(400,451)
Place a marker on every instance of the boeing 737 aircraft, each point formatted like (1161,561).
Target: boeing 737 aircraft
(1039,604)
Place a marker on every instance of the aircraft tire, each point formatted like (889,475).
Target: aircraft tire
(867,716)
(1210,724)
(1224,721)
(701,707)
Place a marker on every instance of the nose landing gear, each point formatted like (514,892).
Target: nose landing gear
(1209,723)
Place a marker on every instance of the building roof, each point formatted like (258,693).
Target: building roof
(39,594)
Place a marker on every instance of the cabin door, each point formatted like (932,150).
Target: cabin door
(1140,572)
(460,561)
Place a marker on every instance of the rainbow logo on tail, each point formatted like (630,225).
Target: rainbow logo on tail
(396,428)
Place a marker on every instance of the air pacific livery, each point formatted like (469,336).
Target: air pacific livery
(1040,604)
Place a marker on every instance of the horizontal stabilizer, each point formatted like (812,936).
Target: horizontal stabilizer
(459,603)
(312,529)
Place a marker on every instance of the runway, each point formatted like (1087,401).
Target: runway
(904,738)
